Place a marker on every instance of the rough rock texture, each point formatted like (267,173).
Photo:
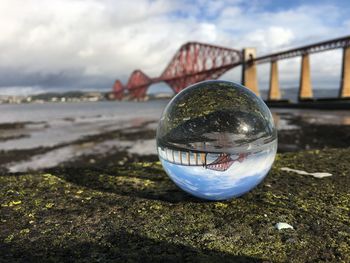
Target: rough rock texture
(133,212)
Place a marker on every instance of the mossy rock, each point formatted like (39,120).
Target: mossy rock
(134,213)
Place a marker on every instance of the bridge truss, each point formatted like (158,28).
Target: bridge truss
(195,62)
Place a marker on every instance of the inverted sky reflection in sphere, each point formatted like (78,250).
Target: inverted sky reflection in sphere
(218,185)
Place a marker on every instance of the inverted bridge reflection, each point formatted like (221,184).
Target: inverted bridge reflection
(208,160)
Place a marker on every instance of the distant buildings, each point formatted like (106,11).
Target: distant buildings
(54,97)
(72,96)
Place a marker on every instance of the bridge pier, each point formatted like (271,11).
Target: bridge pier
(249,74)
(274,90)
(345,76)
(305,88)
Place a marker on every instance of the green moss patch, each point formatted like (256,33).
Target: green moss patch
(133,212)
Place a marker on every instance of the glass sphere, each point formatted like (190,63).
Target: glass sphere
(216,140)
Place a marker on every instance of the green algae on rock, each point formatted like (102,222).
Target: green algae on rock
(134,212)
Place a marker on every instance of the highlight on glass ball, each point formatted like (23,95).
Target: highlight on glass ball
(216,140)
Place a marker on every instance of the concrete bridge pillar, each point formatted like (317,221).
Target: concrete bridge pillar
(345,75)
(249,74)
(305,88)
(274,90)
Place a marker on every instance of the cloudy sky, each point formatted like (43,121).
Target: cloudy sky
(61,45)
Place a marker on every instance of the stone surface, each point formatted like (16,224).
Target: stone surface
(133,211)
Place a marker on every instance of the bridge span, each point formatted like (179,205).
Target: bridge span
(195,62)
(213,161)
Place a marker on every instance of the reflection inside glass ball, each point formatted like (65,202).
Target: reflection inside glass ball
(216,140)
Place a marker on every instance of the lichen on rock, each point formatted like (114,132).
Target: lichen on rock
(133,212)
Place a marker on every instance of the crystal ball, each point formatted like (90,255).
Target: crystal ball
(216,140)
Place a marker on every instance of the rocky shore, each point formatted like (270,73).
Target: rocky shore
(133,212)
(121,207)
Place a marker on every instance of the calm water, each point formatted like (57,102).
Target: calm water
(57,123)
(81,111)
(60,126)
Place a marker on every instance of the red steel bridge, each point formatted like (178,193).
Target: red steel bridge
(195,62)
(222,161)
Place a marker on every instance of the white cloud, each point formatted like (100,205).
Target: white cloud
(93,42)
(21,90)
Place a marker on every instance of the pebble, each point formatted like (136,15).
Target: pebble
(282,225)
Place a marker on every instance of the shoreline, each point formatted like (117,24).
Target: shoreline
(136,143)
(108,199)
